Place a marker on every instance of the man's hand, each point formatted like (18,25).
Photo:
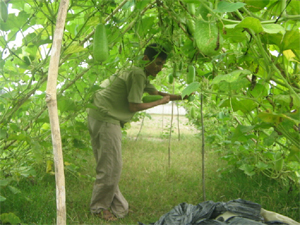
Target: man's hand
(135,107)
(165,99)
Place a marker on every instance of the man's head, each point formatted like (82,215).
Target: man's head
(155,50)
(157,56)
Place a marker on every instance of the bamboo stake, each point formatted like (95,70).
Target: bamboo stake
(51,100)
(137,136)
(170,135)
(178,122)
(203,149)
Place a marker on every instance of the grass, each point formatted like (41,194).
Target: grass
(151,187)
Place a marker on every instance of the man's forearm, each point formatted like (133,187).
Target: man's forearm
(172,97)
(135,107)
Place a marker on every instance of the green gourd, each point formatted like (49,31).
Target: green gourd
(191,8)
(207,37)
(193,112)
(151,98)
(100,48)
(171,78)
(191,74)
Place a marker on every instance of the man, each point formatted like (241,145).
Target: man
(116,105)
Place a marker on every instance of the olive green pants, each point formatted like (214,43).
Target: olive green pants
(106,143)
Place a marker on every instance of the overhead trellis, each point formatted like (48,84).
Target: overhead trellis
(31,58)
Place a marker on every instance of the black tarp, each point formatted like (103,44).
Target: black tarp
(210,213)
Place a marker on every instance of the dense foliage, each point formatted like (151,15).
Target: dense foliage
(246,54)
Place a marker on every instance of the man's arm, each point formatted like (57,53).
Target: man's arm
(135,107)
(172,97)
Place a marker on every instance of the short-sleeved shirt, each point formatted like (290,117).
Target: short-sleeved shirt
(113,102)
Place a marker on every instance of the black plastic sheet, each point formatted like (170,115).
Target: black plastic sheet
(210,213)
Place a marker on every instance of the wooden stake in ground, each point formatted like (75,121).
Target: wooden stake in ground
(51,100)
(170,135)
(178,122)
(140,128)
(203,149)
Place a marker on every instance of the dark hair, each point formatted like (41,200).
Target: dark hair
(155,50)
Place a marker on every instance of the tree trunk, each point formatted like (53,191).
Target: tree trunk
(51,100)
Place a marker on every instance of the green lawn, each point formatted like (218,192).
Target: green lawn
(151,187)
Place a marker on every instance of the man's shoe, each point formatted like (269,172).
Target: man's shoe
(106,215)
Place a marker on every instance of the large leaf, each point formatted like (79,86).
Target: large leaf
(245,105)
(255,6)
(228,6)
(2,199)
(251,23)
(276,118)
(260,91)
(4,183)
(291,40)
(234,34)
(14,190)
(273,28)
(9,218)
(190,89)
(230,77)
(248,169)
(74,48)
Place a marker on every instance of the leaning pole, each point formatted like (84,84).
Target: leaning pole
(51,100)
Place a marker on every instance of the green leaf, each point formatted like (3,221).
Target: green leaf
(74,48)
(230,77)
(191,1)
(282,99)
(273,28)
(2,199)
(79,144)
(272,39)
(14,190)
(19,137)
(238,135)
(246,129)
(235,35)
(3,133)
(245,105)
(4,183)
(248,169)
(269,140)
(291,40)
(255,5)
(269,117)
(190,89)
(251,23)
(275,118)
(228,7)
(9,218)
(262,166)
(65,105)
(260,90)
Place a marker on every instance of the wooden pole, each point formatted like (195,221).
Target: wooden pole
(178,122)
(51,100)
(203,149)
(170,135)
(140,128)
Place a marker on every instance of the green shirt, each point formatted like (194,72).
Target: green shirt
(113,102)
